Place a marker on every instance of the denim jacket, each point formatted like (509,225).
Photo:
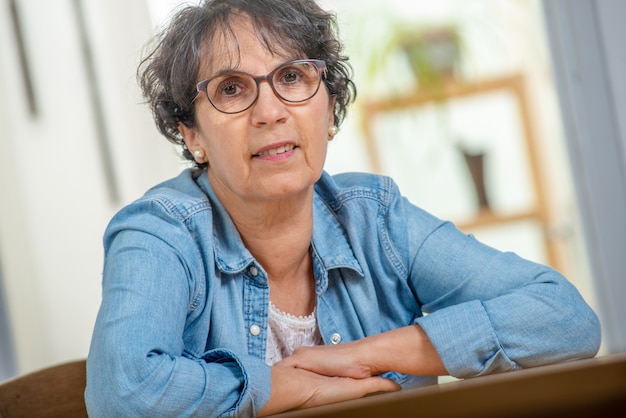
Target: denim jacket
(183,322)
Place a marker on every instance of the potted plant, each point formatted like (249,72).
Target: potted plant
(432,54)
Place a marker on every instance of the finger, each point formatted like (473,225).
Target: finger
(343,389)
(381,385)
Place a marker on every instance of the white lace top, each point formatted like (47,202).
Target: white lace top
(286,332)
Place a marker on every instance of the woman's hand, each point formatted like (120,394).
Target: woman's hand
(343,360)
(321,375)
(294,388)
(404,350)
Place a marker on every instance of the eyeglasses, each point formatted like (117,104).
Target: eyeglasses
(234,92)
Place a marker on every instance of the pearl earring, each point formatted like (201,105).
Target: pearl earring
(332,131)
(198,153)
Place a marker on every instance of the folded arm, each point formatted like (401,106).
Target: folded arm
(405,350)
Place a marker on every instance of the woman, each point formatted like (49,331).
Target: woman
(255,283)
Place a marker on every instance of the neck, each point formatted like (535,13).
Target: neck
(277,232)
(282,248)
(279,236)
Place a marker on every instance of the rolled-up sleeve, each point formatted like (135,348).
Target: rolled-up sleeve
(484,310)
(489,311)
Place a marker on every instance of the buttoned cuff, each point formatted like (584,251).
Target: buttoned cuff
(465,340)
(256,376)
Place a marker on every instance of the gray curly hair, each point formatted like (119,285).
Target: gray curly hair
(168,73)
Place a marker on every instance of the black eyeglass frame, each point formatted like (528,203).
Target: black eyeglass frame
(201,87)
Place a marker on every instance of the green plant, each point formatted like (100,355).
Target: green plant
(432,54)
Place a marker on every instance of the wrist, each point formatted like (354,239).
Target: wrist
(404,350)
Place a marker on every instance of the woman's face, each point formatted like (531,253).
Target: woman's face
(274,149)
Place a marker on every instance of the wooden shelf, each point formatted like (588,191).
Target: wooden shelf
(448,91)
(512,84)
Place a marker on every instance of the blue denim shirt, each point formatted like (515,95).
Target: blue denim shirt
(183,322)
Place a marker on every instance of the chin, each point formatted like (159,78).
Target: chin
(284,186)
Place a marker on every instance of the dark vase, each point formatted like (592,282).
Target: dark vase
(476,165)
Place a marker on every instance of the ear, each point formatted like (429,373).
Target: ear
(189,136)
(331,111)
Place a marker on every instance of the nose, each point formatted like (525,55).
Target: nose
(268,108)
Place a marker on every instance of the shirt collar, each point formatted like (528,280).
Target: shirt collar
(329,240)
(330,245)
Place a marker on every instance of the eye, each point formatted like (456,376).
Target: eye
(230,87)
(290,75)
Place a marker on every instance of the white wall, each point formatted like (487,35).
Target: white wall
(54,204)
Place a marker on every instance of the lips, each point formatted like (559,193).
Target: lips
(277,150)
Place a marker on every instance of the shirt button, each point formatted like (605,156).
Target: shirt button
(255,330)
(335,338)
(254,271)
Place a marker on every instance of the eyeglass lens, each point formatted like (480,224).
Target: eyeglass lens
(235,92)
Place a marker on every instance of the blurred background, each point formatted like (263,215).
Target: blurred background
(503,116)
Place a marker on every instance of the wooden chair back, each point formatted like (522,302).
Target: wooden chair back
(54,392)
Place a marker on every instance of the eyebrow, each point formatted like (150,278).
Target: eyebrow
(237,68)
